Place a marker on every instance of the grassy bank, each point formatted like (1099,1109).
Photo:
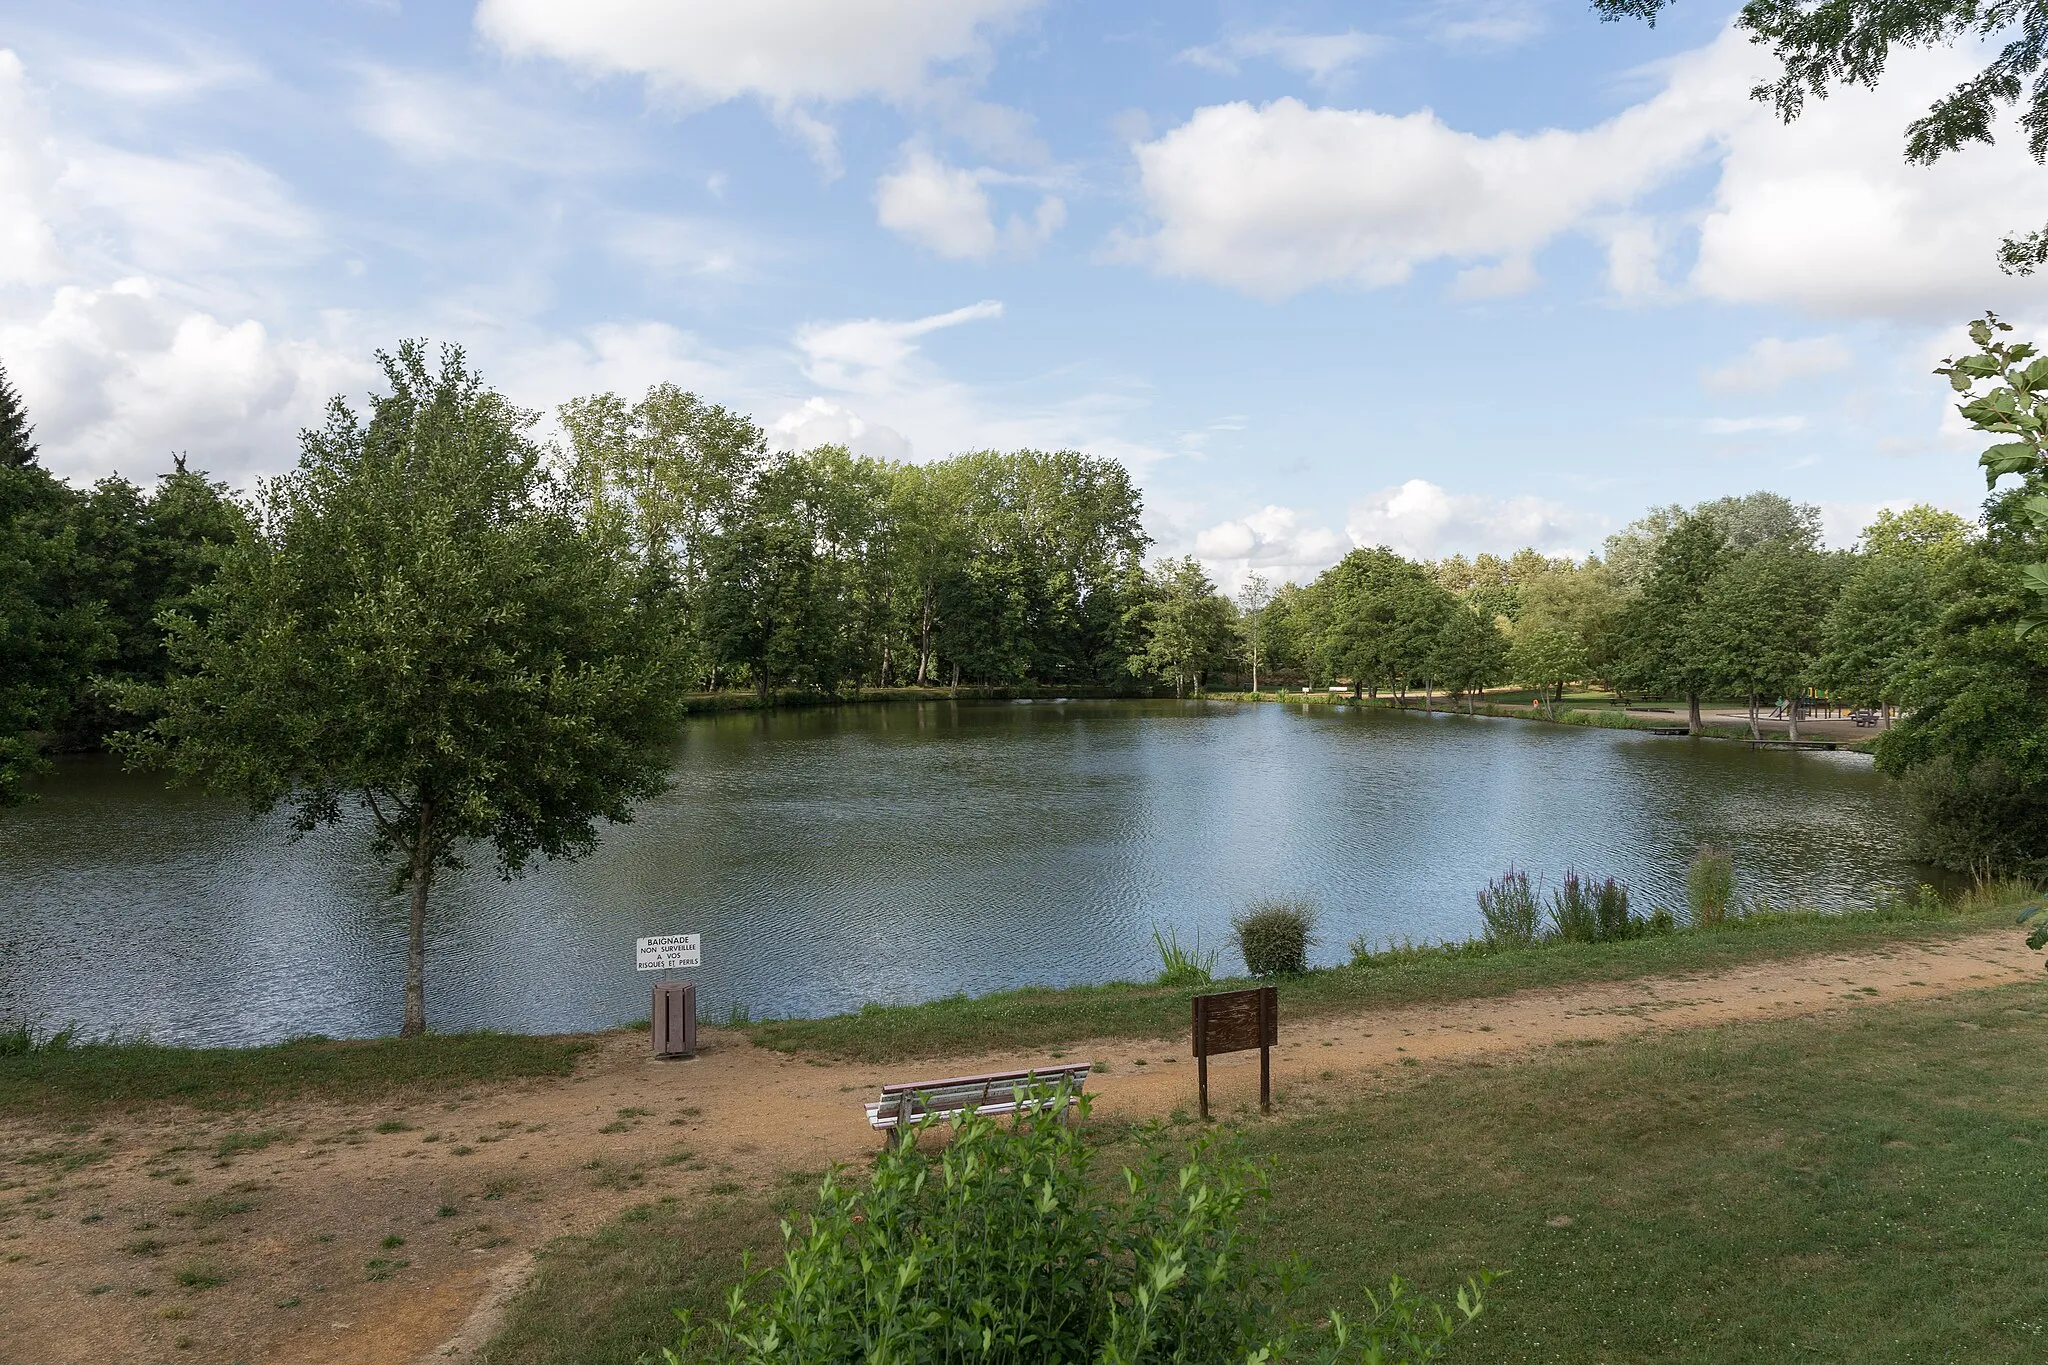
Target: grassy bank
(1041,1018)
(82,1078)
(1861,1187)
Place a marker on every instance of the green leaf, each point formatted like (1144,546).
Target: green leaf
(2013,457)
(2036,577)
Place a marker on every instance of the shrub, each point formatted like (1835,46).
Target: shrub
(1610,909)
(1002,1248)
(20,1038)
(1180,966)
(1274,936)
(1573,915)
(1508,905)
(1710,885)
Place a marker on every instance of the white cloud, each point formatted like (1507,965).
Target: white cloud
(1320,56)
(1486,23)
(1275,541)
(942,207)
(784,51)
(1771,363)
(948,209)
(29,166)
(153,82)
(1744,426)
(1826,215)
(820,421)
(117,378)
(207,213)
(1277,198)
(1423,520)
(873,355)
(430,120)
(1823,215)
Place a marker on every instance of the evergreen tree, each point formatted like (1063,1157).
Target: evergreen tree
(17,451)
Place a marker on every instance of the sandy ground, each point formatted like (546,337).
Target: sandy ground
(300,1215)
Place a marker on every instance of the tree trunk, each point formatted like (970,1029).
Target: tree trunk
(1429,696)
(416,939)
(1793,713)
(1692,714)
(1752,715)
(924,639)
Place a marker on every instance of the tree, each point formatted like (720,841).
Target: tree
(1922,532)
(1589,601)
(1252,600)
(2016,405)
(1971,744)
(52,636)
(1545,657)
(426,625)
(1653,650)
(17,451)
(1470,653)
(1877,631)
(1823,43)
(1185,624)
(1756,626)
(674,469)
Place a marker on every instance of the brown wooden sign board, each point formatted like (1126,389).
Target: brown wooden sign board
(1237,1021)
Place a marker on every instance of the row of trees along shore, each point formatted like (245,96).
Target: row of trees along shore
(481,639)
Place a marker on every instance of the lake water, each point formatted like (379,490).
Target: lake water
(896,852)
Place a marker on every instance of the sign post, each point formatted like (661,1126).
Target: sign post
(672,1015)
(1234,1021)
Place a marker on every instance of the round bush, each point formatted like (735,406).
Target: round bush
(1274,936)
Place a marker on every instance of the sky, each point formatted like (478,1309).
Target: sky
(1447,275)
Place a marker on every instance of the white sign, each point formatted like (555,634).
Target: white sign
(664,951)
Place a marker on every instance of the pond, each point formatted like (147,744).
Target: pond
(901,852)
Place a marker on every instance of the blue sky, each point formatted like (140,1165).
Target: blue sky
(1452,275)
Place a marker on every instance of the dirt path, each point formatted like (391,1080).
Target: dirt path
(110,1235)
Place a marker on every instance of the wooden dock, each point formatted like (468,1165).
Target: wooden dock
(1829,744)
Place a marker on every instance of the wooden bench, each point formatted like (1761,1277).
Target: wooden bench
(996,1092)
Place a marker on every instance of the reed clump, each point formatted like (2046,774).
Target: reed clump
(1274,935)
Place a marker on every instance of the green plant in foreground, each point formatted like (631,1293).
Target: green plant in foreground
(1508,906)
(1274,935)
(1710,885)
(1000,1247)
(1180,966)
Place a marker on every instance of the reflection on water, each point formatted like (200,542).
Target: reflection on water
(899,852)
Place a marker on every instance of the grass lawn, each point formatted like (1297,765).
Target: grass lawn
(91,1077)
(1046,1017)
(1868,1187)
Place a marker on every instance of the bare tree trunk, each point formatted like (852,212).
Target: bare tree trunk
(416,940)
(1753,733)
(924,639)
(1429,696)
(1692,714)
(1793,712)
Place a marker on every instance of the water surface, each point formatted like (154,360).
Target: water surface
(898,853)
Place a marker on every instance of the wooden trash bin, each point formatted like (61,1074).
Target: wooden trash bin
(674,1016)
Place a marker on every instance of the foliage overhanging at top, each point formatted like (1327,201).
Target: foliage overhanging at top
(1822,43)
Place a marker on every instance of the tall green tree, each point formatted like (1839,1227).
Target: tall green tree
(1185,625)
(1756,628)
(1252,600)
(1653,647)
(1824,43)
(53,636)
(1470,653)
(425,625)
(1545,656)
(17,449)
